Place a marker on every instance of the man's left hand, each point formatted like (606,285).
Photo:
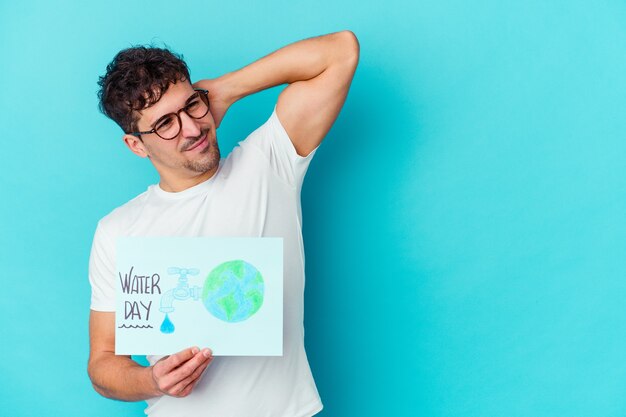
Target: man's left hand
(219,97)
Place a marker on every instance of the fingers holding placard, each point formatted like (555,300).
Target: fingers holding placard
(176,375)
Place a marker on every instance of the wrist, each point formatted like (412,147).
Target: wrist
(153,389)
(233,88)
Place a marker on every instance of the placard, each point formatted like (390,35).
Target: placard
(222,293)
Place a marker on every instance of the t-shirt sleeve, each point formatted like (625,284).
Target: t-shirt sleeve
(272,140)
(102,271)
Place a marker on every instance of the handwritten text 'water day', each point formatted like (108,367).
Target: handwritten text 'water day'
(138,284)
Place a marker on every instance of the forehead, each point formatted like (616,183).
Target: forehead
(173,99)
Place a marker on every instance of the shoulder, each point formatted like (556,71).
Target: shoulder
(122,217)
(271,145)
(254,150)
(272,140)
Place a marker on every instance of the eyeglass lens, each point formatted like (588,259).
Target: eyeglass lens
(168,126)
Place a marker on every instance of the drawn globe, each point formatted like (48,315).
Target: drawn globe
(233,291)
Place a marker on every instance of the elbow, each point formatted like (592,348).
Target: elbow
(99,390)
(343,50)
(92,373)
(351,44)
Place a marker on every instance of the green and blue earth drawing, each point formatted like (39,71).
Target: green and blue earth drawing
(233,291)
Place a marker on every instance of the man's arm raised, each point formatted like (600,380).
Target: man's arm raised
(121,378)
(319,72)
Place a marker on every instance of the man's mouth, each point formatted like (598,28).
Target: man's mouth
(199,143)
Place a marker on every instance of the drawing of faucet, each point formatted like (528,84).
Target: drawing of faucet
(182,291)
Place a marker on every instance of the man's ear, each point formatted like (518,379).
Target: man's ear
(136,145)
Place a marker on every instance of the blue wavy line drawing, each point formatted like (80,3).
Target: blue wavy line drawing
(123,326)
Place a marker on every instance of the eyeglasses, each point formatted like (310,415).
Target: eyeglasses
(168,126)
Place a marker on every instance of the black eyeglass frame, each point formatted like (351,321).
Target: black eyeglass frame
(204,96)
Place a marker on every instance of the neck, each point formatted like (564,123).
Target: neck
(176,185)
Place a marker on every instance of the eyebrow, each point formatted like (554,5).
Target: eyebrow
(151,124)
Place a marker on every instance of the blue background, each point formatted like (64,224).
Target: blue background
(464,220)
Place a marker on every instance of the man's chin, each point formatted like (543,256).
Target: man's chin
(210,162)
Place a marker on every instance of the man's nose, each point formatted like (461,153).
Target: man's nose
(189,126)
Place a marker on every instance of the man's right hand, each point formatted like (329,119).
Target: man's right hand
(176,375)
(121,378)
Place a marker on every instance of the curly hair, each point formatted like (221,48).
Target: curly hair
(136,79)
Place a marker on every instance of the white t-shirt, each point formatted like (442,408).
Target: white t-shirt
(254,193)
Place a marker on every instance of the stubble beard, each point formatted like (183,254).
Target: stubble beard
(212,159)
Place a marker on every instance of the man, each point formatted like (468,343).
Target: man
(255,191)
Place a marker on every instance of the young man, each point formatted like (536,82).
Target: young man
(255,191)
